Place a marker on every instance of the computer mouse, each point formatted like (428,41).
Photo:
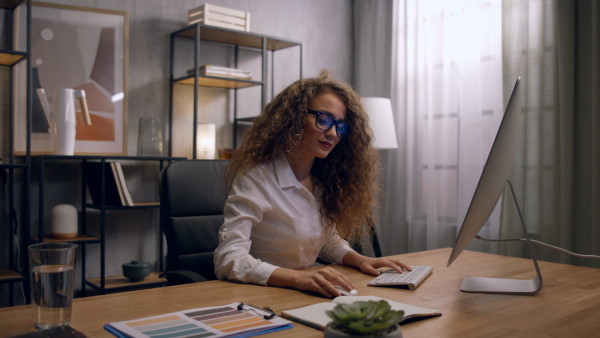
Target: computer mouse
(346,292)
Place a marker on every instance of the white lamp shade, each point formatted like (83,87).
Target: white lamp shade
(205,141)
(381,120)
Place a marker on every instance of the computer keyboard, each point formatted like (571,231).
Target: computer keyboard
(412,279)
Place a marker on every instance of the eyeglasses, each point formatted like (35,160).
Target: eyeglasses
(325,121)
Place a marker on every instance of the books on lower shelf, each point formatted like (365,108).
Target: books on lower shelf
(314,315)
(222,72)
(122,185)
(232,320)
(115,187)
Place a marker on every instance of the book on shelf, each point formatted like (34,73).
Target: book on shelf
(315,317)
(113,168)
(115,187)
(232,320)
(122,184)
(223,72)
(208,67)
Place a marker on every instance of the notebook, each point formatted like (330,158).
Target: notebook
(232,320)
(314,315)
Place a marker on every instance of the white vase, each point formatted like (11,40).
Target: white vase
(150,137)
(64,222)
(64,122)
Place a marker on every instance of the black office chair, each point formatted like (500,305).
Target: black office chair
(191,213)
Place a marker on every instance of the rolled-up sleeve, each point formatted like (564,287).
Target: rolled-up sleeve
(245,207)
(335,248)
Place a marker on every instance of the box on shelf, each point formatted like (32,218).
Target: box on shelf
(213,15)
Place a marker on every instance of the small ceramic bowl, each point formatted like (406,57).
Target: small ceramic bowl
(136,271)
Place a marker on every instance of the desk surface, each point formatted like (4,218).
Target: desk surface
(568,305)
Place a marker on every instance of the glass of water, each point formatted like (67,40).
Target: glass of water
(52,281)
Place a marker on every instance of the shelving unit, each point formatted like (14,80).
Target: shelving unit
(102,283)
(10,56)
(199,33)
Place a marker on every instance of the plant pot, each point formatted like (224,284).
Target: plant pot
(136,271)
(331,332)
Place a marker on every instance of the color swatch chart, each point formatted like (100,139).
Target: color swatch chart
(233,320)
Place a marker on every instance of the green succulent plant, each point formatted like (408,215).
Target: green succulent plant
(364,317)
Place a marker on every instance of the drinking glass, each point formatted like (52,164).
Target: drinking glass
(52,281)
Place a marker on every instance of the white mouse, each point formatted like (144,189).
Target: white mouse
(346,292)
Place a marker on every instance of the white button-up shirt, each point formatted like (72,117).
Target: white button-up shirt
(271,221)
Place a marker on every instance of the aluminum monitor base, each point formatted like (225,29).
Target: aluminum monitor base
(507,286)
(501,285)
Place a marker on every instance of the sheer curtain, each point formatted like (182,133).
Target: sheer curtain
(555,46)
(585,226)
(375,46)
(447,97)
(543,163)
(453,106)
(453,65)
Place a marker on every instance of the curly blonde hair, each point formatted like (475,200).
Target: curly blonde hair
(347,176)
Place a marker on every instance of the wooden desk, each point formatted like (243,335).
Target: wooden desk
(567,306)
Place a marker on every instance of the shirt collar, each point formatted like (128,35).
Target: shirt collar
(285,175)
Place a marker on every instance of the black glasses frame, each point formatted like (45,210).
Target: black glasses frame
(334,122)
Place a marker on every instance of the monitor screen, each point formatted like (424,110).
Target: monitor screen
(495,173)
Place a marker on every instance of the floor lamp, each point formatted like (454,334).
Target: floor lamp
(381,120)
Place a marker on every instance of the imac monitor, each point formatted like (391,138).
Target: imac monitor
(489,189)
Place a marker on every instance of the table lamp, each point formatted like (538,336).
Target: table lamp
(205,140)
(381,120)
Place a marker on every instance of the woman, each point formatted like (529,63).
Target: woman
(303,179)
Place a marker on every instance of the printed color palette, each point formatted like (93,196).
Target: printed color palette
(206,322)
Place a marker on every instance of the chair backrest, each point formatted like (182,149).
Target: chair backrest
(191,213)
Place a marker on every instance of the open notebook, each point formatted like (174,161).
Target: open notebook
(314,315)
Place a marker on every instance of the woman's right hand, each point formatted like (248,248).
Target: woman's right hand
(321,281)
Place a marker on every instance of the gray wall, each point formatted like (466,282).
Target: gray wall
(323,27)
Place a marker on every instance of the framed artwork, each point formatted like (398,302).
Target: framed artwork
(84,49)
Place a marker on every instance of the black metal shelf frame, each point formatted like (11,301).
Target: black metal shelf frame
(199,32)
(11,57)
(86,238)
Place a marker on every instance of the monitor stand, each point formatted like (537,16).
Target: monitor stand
(502,285)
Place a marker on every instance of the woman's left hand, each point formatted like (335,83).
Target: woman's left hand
(370,265)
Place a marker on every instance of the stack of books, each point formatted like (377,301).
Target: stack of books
(116,192)
(211,70)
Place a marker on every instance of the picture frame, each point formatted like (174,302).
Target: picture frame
(80,48)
